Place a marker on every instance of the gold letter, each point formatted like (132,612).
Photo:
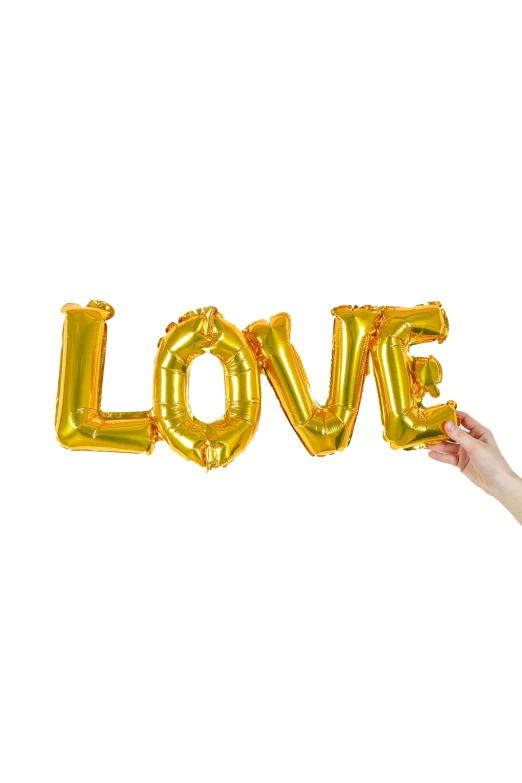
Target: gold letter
(80,424)
(402,380)
(328,428)
(210,445)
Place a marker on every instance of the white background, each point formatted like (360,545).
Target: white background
(356,617)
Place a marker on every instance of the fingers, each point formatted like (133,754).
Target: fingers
(449,459)
(477,429)
(446,448)
(467,441)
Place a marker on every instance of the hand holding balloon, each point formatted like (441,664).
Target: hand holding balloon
(475,452)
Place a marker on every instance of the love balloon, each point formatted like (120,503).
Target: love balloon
(365,339)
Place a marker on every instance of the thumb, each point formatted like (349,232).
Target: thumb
(459,435)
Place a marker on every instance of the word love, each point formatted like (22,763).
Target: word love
(365,339)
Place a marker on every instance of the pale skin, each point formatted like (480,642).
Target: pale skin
(473,449)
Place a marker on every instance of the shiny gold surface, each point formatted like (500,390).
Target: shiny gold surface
(217,444)
(382,334)
(80,423)
(365,339)
(328,428)
(402,381)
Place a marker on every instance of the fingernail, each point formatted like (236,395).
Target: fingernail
(449,426)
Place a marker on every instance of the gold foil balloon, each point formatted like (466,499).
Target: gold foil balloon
(328,428)
(210,445)
(80,423)
(403,380)
(379,337)
(365,339)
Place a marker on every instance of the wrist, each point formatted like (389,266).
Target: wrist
(508,491)
(505,482)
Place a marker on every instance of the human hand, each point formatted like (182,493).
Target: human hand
(476,454)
